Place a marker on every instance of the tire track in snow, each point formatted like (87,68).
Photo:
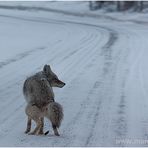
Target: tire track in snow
(128,120)
(20,56)
(107,54)
(24,55)
(143,86)
(109,74)
(121,125)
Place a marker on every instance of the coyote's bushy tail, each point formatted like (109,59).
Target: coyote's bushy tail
(55,114)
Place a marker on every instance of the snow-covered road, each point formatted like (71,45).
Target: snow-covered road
(102,61)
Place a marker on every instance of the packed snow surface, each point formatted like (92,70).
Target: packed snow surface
(102,58)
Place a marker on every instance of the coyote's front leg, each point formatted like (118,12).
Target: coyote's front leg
(28,125)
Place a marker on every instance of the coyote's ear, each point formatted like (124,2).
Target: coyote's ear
(47,69)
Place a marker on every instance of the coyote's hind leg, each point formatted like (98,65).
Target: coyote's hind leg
(38,126)
(42,126)
(55,130)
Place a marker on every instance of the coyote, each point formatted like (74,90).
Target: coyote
(39,95)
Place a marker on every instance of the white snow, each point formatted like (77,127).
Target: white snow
(102,58)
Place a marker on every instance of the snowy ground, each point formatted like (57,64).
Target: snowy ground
(103,61)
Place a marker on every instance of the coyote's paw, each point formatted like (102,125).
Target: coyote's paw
(57,134)
(26,132)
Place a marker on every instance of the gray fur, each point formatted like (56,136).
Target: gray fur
(38,91)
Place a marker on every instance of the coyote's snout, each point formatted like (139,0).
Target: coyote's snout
(39,95)
(55,82)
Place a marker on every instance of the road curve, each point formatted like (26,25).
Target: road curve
(97,62)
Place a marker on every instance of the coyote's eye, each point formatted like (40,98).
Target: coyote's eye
(54,79)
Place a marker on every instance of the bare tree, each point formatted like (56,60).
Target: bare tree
(120,5)
(94,5)
(139,6)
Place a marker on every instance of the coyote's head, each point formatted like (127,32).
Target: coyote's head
(52,77)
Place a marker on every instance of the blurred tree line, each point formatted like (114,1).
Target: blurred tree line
(119,5)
